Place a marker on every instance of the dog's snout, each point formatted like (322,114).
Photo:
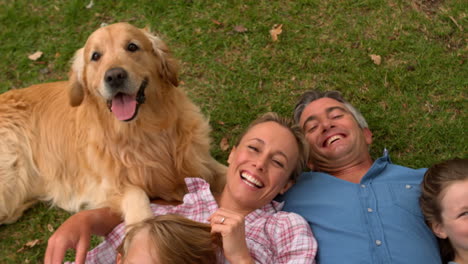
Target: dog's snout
(115,77)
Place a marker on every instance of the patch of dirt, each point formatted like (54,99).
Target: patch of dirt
(429,7)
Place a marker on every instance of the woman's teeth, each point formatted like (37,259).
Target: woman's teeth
(251,180)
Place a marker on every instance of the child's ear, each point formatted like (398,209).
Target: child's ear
(439,230)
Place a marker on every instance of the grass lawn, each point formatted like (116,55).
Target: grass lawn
(415,99)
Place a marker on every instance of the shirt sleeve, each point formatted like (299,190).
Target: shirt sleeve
(294,239)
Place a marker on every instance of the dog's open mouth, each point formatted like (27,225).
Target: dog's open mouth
(125,106)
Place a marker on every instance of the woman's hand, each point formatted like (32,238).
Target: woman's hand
(76,233)
(231,226)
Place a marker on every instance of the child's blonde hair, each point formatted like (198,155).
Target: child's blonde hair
(176,239)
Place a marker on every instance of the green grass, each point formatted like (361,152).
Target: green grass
(415,101)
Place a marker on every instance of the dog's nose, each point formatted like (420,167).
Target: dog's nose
(115,77)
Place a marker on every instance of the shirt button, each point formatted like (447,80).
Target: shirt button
(369,210)
(363,185)
(378,242)
(408,186)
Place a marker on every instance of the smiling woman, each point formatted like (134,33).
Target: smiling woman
(260,166)
(266,162)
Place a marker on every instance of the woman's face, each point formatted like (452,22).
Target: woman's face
(260,166)
(454,204)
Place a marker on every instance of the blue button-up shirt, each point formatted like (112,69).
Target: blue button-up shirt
(376,221)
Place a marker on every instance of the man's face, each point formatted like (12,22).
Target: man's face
(333,134)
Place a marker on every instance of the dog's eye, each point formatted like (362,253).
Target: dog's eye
(132,47)
(96,56)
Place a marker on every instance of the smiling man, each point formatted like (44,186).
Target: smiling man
(360,210)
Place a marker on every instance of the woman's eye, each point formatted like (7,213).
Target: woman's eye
(132,47)
(337,117)
(253,148)
(279,163)
(96,56)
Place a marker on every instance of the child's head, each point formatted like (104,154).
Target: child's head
(169,239)
(444,202)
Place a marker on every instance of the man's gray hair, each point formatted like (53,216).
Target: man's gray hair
(313,95)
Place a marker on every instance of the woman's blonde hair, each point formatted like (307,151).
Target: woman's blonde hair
(176,239)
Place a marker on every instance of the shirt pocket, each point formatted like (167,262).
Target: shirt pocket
(406,197)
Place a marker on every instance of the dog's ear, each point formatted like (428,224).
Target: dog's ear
(77,92)
(169,66)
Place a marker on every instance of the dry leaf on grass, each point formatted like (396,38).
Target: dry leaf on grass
(240,29)
(29,244)
(90,5)
(376,59)
(216,22)
(35,56)
(50,228)
(224,144)
(275,31)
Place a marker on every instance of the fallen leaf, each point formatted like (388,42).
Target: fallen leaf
(50,228)
(29,244)
(216,22)
(221,123)
(275,31)
(240,29)
(376,59)
(32,243)
(224,144)
(35,56)
(90,5)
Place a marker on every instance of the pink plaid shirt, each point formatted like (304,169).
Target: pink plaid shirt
(272,236)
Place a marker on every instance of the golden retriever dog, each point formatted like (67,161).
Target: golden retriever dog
(118,133)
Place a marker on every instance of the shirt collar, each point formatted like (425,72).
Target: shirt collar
(377,167)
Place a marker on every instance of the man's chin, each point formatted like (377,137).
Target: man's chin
(329,157)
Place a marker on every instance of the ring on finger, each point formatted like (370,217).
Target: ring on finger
(222,220)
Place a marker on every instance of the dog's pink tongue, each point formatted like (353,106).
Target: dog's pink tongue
(124,106)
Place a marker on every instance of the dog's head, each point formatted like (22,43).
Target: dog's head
(120,65)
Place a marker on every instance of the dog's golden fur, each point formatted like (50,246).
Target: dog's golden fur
(60,142)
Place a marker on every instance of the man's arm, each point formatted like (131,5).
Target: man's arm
(76,233)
